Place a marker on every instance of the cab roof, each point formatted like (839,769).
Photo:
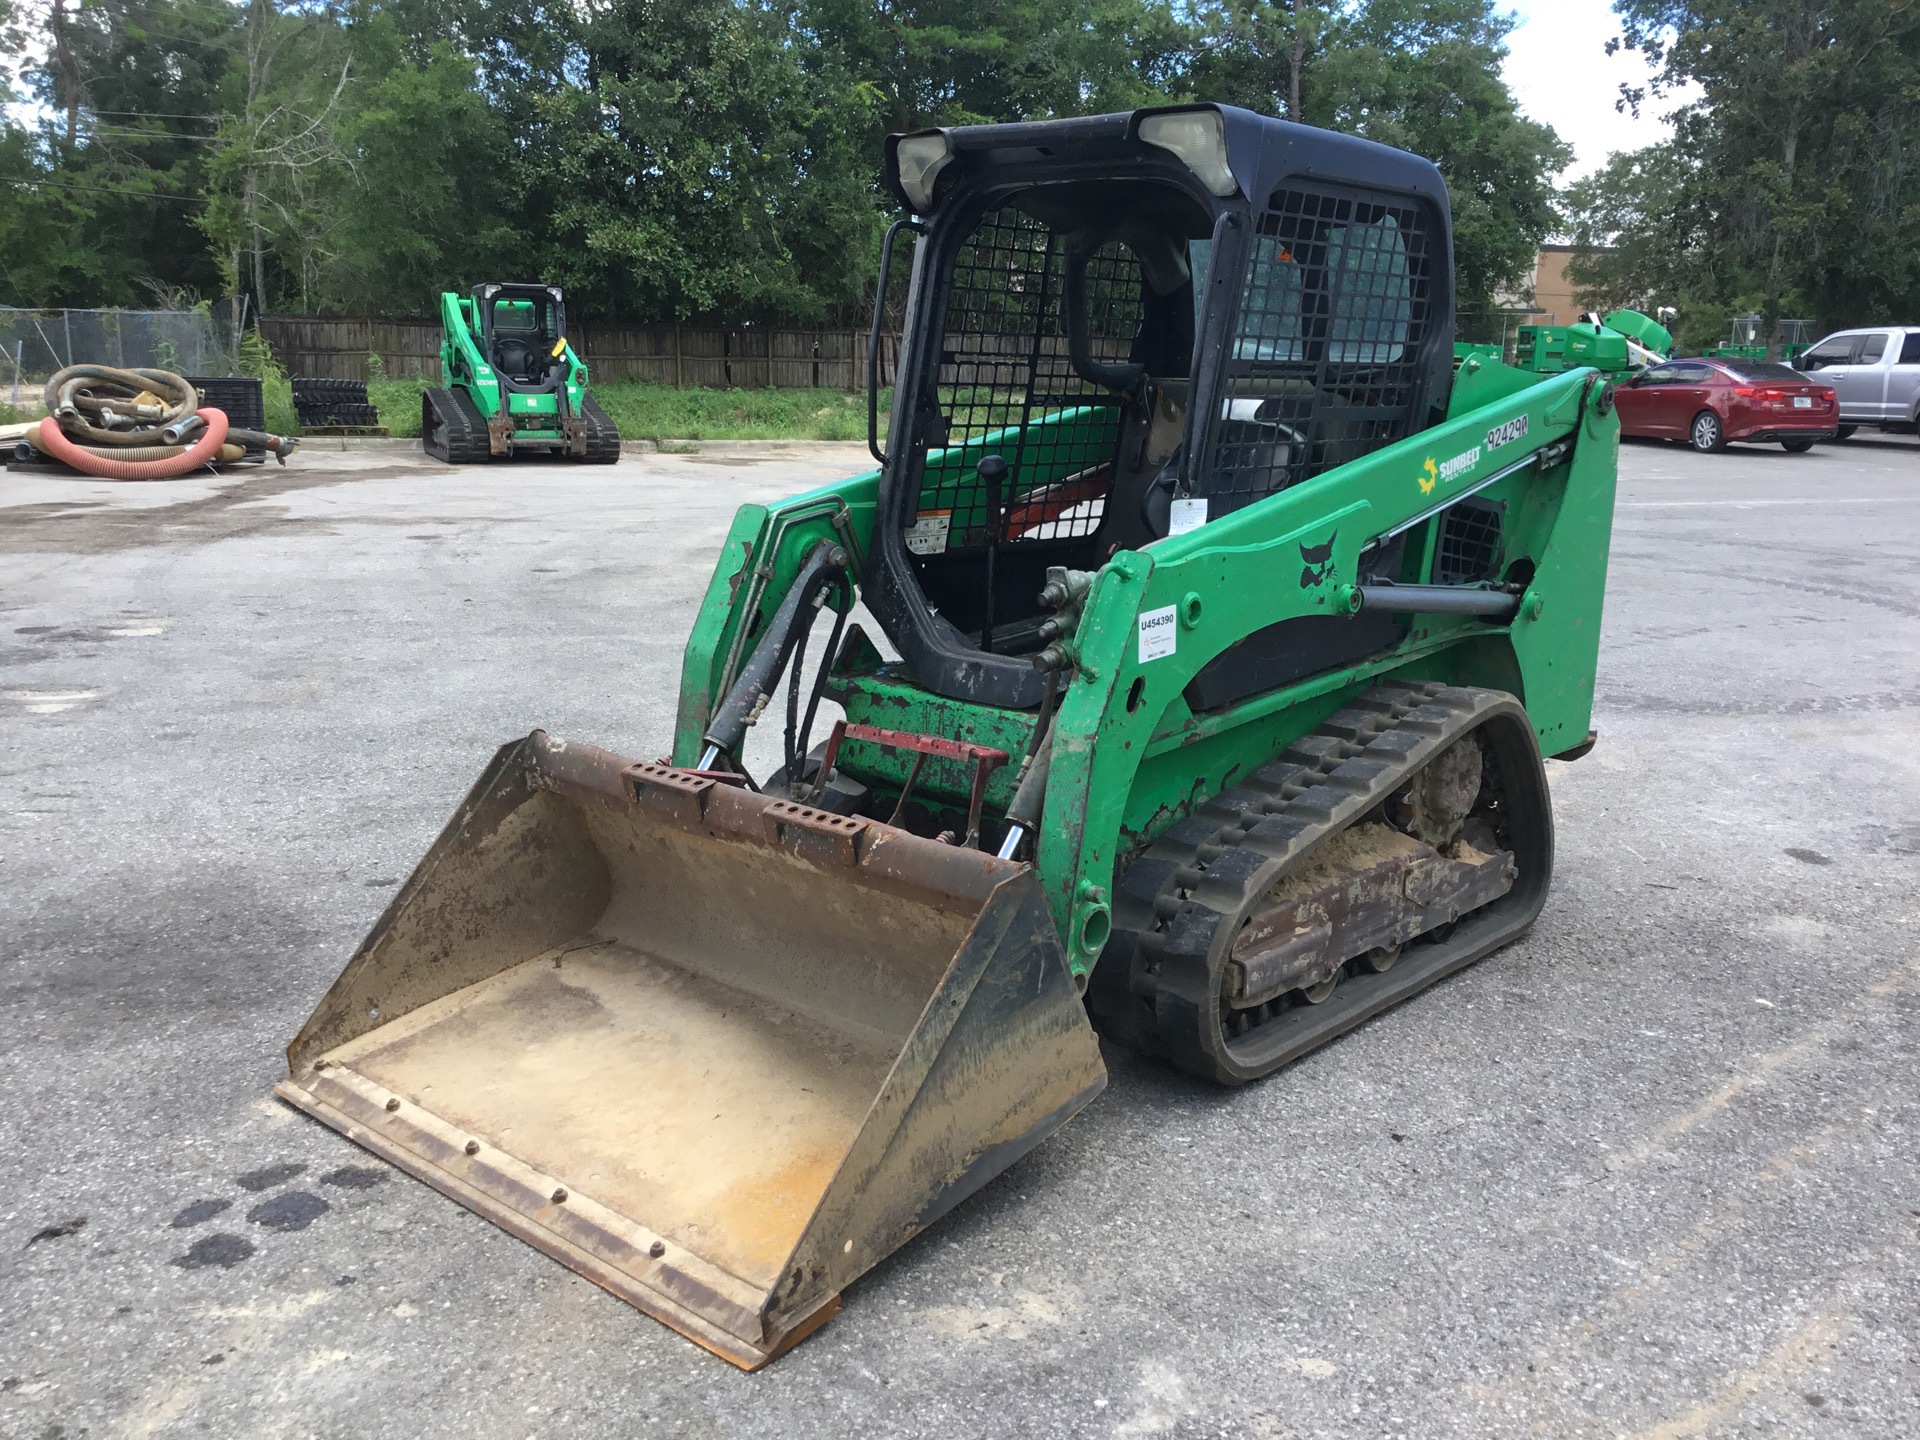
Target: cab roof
(1261,152)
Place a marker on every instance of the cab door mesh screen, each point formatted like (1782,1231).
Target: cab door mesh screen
(1469,546)
(1005,378)
(1326,361)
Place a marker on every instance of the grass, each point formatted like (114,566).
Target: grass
(276,400)
(663,412)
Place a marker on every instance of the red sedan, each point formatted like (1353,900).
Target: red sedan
(1708,403)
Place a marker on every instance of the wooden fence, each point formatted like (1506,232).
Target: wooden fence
(745,357)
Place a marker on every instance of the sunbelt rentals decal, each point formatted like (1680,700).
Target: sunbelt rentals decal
(1446,470)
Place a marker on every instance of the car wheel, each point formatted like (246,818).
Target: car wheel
(1845,432)
(1708,435)
(1796,447)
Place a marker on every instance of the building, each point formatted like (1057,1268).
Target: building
(1551,292)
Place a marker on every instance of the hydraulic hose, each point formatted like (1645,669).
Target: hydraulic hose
(753,687)
(54,441)
(1023,815)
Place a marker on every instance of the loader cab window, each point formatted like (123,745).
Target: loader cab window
(1066,337)
(1325,365)
(522,334)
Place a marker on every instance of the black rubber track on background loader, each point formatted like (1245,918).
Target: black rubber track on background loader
(452,429)
(1177,907)
(603,436)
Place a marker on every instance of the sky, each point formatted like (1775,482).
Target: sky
(1559,71)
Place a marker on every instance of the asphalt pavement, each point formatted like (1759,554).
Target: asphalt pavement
(1653,1172)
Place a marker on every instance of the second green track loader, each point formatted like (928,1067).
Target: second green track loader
(1219,628)
(513,384)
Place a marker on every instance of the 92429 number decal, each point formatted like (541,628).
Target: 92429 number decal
(1506,434)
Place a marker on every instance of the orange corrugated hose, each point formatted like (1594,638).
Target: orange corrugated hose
(55,442)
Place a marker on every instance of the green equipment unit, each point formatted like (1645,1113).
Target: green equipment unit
(513,383)
(1218,630)
(1648,341)
(1748,340)
(1623,340)
(1463,351)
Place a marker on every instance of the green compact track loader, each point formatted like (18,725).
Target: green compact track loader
(1214,632)
(513,383)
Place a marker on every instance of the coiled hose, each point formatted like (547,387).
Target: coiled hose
(98,405)
(139,425)
(96,462)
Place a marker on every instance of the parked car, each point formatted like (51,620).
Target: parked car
(1876,373)
(1710,402)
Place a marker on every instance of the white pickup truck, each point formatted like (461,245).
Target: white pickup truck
(1876,374)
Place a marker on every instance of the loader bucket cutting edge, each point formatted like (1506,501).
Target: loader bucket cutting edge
(716,1052)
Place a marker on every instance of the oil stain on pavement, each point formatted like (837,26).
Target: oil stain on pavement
(198,1213)
(293,1210)
(218,1249)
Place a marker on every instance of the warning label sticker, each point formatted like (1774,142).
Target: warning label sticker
(1157,631)
(928,533)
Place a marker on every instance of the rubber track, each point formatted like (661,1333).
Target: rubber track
(603,436)
(466,430)
(1154,989)
(329,392)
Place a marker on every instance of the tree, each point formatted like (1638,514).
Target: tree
(683,161)
(1805,143)
(663,159)
(960,62)
(105,189)
(277,151)
(422,198)
(1645,241)
(1423,75)
(1254,53)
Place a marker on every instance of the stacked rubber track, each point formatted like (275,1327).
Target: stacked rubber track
(1179,905)
(333,402)
(451,428)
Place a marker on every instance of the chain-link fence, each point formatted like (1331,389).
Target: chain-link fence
(35,343)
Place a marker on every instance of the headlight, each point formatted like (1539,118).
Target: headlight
(1199,138)
(920,159)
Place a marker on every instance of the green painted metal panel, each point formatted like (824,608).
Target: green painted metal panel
(1129,755)
(1237,575)
(902,705)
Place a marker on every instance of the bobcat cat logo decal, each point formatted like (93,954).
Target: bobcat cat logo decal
(1318,560)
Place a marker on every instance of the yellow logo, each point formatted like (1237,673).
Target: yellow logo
(1431,478)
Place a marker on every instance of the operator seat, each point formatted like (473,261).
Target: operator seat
(515,359)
